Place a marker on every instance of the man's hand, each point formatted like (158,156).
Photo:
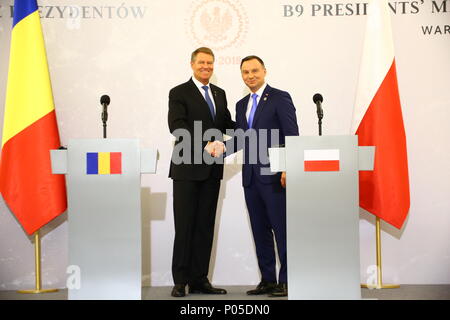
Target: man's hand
(219,148)
(216,148)
(283,179)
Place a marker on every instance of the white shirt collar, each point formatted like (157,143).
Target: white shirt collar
(199,84)
(260,91)
(250,100)
(203,92)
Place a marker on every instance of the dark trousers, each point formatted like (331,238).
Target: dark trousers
(194,206)
(266,204)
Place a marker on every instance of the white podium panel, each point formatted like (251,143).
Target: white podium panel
(322,214)
(104,210)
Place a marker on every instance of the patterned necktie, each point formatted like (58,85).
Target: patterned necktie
(209,102)
(253,110)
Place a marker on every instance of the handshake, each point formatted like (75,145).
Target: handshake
(215,148)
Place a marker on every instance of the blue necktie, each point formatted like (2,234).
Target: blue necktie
(209,102)
(253,110)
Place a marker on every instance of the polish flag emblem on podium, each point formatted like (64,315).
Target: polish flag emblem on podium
(321,160)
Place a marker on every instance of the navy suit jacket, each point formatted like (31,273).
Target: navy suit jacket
(275,111)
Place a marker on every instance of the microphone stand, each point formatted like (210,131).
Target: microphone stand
(320,115)
(320,126)
(104,119)
(318,99)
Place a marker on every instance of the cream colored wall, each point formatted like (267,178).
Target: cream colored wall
(137,60)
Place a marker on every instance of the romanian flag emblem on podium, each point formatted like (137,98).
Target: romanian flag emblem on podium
(104,163)
(33,194)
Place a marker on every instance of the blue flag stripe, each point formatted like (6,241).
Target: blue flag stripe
(22,9)
(92,163)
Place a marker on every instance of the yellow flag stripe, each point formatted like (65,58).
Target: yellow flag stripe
(104,163)
(28,95)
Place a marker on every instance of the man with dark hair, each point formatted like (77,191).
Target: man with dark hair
(196,103)
(253,58)
(265,110)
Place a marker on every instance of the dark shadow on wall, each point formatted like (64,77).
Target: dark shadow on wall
(385,227)
(52,225)
(230,171)
(153,208)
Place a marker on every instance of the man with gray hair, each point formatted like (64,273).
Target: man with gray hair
(195,107)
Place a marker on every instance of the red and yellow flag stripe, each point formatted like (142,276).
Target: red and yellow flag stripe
(32,192)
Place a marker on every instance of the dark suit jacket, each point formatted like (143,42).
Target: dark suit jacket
(186,105)
(275,111)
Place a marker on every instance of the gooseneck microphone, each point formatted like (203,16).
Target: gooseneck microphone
(104,101)
(318,99)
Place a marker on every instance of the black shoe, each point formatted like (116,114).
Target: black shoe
(206,288)
(178,291)
(263,287)
(280,291)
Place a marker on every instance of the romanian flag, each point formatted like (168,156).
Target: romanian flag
(33,194)
(321,160)
(378,121)
(104,163)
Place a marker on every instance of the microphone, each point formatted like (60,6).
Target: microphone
(318,99)
(104,101)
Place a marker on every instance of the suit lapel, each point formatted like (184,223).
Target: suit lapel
(243,111)
(217,100)
(261,104)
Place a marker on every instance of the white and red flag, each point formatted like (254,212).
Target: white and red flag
(378,121)
(321,160)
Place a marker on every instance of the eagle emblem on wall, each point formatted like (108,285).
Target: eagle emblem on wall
(216,24)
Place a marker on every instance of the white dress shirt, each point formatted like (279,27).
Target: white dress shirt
(202,91)
(250,100)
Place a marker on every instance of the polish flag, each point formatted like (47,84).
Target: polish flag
(378,121)
(321,160)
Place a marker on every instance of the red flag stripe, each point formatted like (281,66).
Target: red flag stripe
(33,193)
(322,165)
(385,190)
(115,162)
